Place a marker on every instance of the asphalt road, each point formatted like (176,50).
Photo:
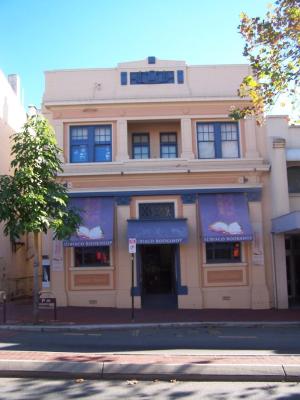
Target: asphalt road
(37,389)
(262,340)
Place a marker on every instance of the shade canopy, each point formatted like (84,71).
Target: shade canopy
(96,227)
(288,223)
(225,217)
(158,231)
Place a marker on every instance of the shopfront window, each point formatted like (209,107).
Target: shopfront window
(223,252)
(94,256)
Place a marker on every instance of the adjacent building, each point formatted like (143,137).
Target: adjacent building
(284,148)
(15,264)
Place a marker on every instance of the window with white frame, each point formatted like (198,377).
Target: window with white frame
(90,143)
(218,140)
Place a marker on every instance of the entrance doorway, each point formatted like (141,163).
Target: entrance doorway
(292,247)
(158,276)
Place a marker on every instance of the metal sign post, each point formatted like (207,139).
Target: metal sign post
(132,286)
(132,251)
(3,299)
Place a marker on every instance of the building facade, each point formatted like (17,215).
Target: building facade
(284,150)
(150,154)
(15,257)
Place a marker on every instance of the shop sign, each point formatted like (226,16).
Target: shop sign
(132,245)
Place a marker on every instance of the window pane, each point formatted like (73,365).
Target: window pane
(102,135)
(95,256)
(294,179)
(103,152)
(168,151)
(206,149)
(141,151)
(79,134)
(229,131)
(79,153)
(230,149)
(168,138)
(140,138)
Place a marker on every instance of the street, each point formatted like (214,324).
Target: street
(194,341)
(37,389)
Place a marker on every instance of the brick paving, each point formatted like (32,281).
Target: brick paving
(150,358)
(21,312)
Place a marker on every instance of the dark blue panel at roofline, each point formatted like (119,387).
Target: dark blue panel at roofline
(123,78)
(151,60)
(253,194)
(151,77)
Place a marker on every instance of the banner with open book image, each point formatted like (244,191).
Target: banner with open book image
(96,228)
(225,217)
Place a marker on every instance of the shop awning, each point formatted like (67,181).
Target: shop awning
(288,223)
(158,231)
(225,217)
(96,228)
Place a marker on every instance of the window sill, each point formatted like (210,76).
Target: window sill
(91,268)
(225,265)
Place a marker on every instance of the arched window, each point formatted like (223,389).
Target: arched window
(294,179)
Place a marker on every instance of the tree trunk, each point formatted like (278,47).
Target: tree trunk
(36,278)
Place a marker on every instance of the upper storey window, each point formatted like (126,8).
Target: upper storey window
(293,174)
(140,145)
(218,140)
(168,145)
(90,144)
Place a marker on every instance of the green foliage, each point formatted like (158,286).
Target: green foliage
(272,45)
(31,199)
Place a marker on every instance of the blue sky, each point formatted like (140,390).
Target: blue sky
(39,35)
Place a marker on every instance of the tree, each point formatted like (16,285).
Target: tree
(272,45)
(32,200)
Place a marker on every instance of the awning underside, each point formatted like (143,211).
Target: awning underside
(288,223)
(158,231)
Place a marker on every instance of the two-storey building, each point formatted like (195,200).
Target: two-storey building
(149,153)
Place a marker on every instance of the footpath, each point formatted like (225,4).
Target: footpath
(144,366)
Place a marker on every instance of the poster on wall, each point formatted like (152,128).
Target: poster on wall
(45,272)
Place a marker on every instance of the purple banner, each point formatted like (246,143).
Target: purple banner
(225,217)
(96,228)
